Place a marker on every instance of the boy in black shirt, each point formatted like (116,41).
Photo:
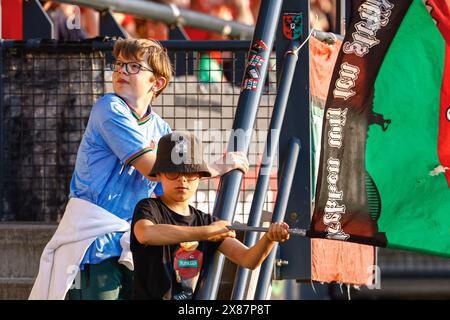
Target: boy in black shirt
(172,242)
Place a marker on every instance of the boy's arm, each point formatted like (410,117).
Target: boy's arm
(148,233)
(252,257)
(229,161)
(145,163)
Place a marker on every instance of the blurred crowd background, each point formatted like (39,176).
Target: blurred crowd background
(322,17)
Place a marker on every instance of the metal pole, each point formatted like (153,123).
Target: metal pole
(243,227)
(265,274)
(244,121)
(273,137)
(297,124)
(343,9)
(170,14)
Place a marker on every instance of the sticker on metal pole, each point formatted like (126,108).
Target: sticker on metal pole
(254,64)
(292,25)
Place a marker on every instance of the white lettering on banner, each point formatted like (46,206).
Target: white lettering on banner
(375,14)
(336,118)
(333,209)
(347,80)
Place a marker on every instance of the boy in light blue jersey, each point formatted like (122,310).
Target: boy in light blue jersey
(111,174)
(113,140)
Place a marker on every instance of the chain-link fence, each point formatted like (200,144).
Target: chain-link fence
(48,89)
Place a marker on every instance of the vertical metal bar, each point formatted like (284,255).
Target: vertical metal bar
(297,124)
(271,148)
(287,176)
(338,16)
(343,9)
(244,121)
(178,33)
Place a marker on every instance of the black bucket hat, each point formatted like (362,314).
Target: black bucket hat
(180,151)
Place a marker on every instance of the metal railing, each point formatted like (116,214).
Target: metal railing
(271,149)
(244,120)
(170,14)
(48,88)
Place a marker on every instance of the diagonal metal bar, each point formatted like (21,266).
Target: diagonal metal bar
(244,121)
(273,137)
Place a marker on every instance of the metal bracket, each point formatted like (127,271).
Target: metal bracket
(109,26)
(36,22)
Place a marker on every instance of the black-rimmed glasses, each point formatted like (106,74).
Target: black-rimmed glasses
(130,67)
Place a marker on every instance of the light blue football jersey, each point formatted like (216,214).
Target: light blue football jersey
(114,137)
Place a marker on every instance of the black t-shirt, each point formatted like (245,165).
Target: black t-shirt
(156,267)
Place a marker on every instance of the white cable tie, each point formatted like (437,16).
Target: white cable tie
(309,36)
(314,288)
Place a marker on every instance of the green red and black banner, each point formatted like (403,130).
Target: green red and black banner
(332,261)
(384,175)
